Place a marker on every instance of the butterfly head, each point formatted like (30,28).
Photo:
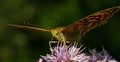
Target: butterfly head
(56,32)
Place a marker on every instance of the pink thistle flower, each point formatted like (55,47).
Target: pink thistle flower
(63,53)
(40,60)
(102,56)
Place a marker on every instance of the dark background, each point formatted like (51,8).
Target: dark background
(18,45)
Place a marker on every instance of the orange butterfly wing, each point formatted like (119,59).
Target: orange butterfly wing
(78,29)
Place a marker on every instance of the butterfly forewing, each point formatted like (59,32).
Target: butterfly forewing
(78,29)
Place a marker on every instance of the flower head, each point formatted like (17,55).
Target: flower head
(63,53)
(102,56)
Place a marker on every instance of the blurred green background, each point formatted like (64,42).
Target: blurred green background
(18,45)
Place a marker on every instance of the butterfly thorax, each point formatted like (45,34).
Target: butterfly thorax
(56,32)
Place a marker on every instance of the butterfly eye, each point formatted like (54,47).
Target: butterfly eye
(57,33)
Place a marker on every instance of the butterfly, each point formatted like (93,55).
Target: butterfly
(78,29)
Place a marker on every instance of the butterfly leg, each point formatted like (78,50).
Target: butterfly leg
(50,42)
(50,45)
(52,38)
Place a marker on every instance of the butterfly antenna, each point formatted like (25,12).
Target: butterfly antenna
(29,24)
(28,27)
